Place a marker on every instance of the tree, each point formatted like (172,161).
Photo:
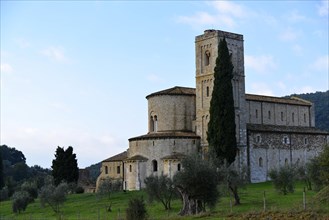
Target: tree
(136,209)
(65,166)
(20,201)
(232,180)
(160,189)
(284,179)
(106,187)
(324,165)
(53,196)
(2,176)
(197,185)
(221,127)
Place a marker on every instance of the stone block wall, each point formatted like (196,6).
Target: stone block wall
(174,112)
(272,150)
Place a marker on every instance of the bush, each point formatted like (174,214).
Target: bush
(160,188)
(4,194)
(31,188)
(284,179)
(136,209)
(54,196)
(20,201)
(79,190)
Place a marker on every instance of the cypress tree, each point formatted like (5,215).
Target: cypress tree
(65,166)
(221,127)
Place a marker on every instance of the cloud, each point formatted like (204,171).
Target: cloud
(321,64)
(289,35)
(6,68)
(261,64)
(261,88)
(294,16)
(23,43)
(55,53)
(323,8)
(297,49)
(154,78)
(226,14)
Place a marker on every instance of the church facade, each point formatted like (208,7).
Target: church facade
(270,131)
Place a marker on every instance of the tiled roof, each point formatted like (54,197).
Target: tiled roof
(118,157)
(177,90)
(137,157)
(173,156)
(291,100)
(285,129)
(161,135)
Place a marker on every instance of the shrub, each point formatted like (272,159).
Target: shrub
(136,209)
(4,193)
(160,188)
(31,188)
(284,179)
(54,196)
(79,190)
(20,201)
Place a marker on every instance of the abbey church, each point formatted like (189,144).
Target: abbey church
(270,131)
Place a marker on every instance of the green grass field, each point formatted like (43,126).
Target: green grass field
(90,206)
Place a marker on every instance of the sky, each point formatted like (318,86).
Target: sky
(76,73)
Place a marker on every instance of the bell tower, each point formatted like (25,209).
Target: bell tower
(206,52)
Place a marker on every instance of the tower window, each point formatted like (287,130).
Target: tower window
(206,58)
(207,91)
(130,168)
(155,165)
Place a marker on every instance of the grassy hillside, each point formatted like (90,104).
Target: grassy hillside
(89,206)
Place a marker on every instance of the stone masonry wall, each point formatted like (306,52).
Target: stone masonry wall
(272,150)
(174,112)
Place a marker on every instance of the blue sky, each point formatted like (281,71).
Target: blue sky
(76,73)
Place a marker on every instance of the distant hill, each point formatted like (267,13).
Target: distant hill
(321,105)
(94,171)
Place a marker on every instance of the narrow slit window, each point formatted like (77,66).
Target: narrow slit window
(155,165)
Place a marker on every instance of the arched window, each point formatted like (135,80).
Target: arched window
(155,165)
(106,170)
(206,58)
(130,168)
(155,123)
(178,167)
(305,141)
(151,124)
(260,162)
(258,139)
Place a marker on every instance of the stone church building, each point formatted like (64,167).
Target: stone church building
(270,131)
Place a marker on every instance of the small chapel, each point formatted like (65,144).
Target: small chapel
(270,131)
